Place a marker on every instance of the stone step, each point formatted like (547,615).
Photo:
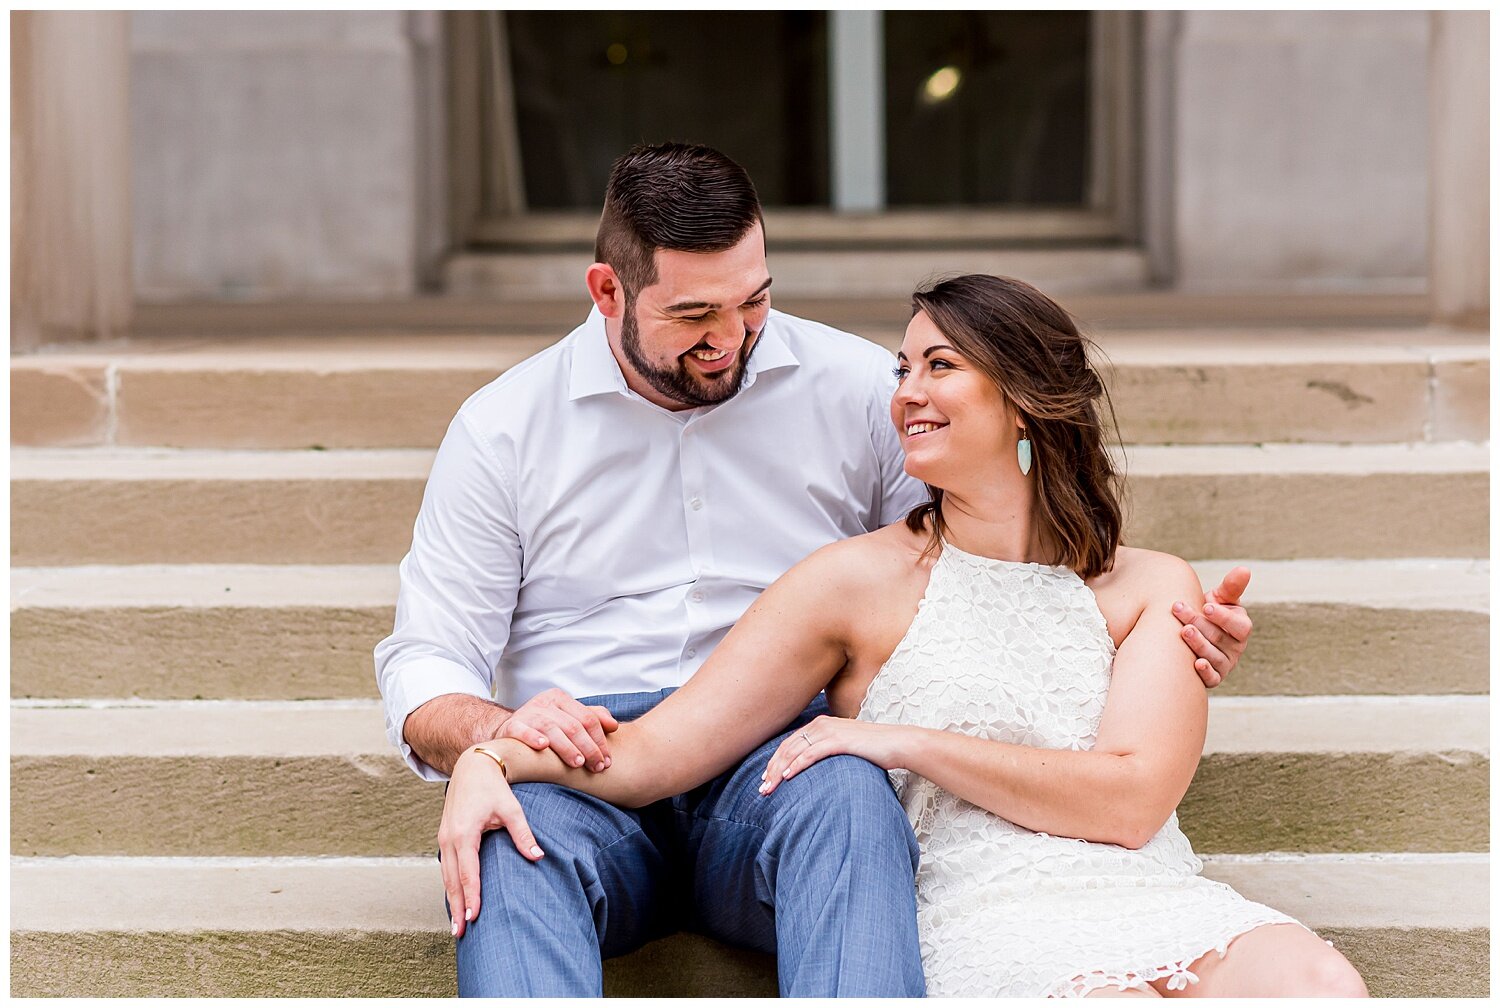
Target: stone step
(142,505)
(1414,925)
(1240,385)
(298,632)
(284,778)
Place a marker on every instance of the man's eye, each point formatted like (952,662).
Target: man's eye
(758,302)
(692,318)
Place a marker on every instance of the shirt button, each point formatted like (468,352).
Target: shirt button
(692,652)
(697,503)
(697,596)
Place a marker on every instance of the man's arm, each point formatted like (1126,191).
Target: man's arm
(459,586)
(442,728)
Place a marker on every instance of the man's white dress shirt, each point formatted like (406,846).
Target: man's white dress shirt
(573,534)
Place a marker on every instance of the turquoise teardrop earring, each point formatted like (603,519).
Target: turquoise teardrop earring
(1023,452)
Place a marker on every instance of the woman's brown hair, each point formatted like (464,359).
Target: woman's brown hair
(1031,349)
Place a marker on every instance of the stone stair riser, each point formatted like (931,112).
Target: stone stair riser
(1277,516)
(164,652)
(354,520)
(1395,962)
(57,404)
(305,651)
(296,805)
(212,520)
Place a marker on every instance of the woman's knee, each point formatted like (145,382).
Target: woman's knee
(1329,974)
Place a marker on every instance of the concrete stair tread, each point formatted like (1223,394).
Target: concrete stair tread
(129,463)
(1414,925)
(299,387)
(424,351)
(1411,583)
(355,728)
(143,464)
(404,894)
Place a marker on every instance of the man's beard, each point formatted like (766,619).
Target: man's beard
(678,384)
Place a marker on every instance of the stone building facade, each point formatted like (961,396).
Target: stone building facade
(334,156)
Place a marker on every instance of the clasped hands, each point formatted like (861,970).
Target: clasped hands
(479,797)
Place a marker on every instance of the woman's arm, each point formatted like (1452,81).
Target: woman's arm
(1121,792)
(786,648)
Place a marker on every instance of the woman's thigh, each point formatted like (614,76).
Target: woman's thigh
(1274,960)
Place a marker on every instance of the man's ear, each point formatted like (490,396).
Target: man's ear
(606,290)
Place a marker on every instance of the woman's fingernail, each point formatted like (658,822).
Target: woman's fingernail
(455,929)
(786,773)
(578,761)
(469,913)
(536,852)
(1208,608)
(541,740)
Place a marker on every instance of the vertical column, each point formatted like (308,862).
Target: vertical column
(70,257)
(857,96)
(1458,176)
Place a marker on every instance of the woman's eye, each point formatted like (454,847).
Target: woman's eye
(937,363)
(900,373)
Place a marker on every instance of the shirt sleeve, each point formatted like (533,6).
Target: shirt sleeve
(458,586)
(899,493)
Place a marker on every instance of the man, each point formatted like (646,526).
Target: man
(595,520)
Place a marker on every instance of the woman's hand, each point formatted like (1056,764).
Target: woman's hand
(832,736)
(479,799)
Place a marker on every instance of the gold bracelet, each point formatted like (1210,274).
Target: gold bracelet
(500,762)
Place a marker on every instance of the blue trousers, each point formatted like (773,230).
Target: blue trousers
(820,873)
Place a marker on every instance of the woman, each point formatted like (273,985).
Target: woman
(1017,669)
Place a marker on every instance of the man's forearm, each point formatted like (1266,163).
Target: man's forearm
(443,727)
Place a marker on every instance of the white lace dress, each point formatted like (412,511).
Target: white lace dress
(1019,652)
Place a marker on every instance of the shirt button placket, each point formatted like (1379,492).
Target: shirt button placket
(696,519)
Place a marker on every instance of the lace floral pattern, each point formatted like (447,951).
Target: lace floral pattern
(1020,653)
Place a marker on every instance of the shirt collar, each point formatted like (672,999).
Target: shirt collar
(595,370)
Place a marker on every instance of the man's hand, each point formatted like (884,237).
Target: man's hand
(574,731)
(1219,633)
(479,799)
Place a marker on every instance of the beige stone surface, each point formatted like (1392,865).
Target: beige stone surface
(1294,501)
(1414,926)
(1275,402)
(1189,385)
(278,632)
(162,507)
(1342,774)
(1278,203)
(70,175)
(817,273)
(1271,502)
(1461,407)
(59,404)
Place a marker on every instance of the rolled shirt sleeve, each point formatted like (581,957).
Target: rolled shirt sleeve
(459,585)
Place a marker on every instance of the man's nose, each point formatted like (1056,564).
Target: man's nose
(728,332)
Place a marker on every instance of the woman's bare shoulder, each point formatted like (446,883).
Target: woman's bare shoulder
(1140,578)
(867,559)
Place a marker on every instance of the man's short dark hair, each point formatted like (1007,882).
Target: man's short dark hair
(683,197)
